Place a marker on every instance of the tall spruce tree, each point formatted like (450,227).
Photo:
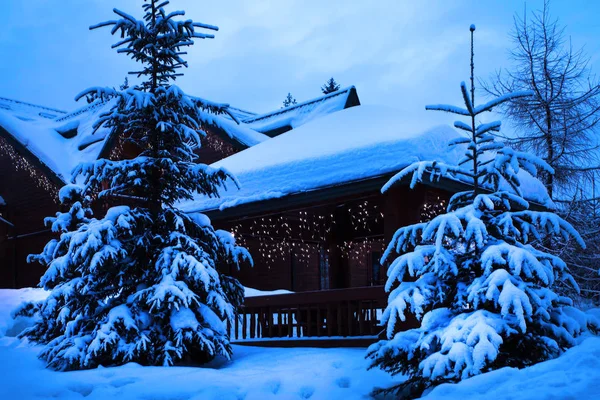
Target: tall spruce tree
(482,294)
(330,86)
(142,283)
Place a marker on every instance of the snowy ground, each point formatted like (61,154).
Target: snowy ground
(255,373)
(573,376)
(273,373)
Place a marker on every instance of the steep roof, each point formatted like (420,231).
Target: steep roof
(61,143)
(60,140)
(279,121)
(352,145)
(27,111)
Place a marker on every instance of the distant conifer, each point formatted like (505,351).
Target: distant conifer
(330,87)
(289,101)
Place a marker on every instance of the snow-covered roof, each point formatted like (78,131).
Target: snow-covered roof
(354,144)
(241,114)
(61,140)
(27,111)
(59,143)
(285,119)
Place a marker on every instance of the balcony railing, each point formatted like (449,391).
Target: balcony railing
(348,313)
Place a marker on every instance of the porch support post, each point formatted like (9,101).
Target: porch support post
(402,206)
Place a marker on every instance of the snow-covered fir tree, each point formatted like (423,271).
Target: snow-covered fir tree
(142,284)
(330,86)
(481,294)
(125,84)
(289,101)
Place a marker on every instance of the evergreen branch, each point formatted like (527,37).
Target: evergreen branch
(448,108)
(468,101)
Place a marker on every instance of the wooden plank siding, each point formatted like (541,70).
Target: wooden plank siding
(27,204)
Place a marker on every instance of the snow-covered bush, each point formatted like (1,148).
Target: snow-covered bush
(142,283)
(483,296)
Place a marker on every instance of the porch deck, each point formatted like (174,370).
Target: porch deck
(325,318)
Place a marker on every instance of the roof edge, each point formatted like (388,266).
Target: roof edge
(27,153)
(324,194)
(349,90)
(33,105)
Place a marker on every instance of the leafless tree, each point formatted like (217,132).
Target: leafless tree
(560,121)
(561,124)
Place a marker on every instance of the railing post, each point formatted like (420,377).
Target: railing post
(279,322)
(298,320)
(329,321)
(259,323)
(245,324)
(340,331)
(350,318)
(237,323)
(270,319)
(319,320)
(373,319)
(308,321)
(361,319)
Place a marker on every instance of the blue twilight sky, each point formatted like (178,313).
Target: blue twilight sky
(397,52)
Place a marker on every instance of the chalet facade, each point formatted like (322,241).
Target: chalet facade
(40,146)
(310,208)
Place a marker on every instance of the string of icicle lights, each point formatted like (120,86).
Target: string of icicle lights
(20,163)
(213,142)
(303,234)
(432,208)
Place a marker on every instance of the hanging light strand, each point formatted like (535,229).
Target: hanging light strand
(20,163)
(301,234)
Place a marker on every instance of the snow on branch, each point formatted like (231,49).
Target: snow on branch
(436,170)
(206,26)
(467,99)
(489,127)
(448,108)
(461,125)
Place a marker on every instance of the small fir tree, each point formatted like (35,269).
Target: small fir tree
(330,87)
(289,101)
(482,294)
(142,284)
(125,84)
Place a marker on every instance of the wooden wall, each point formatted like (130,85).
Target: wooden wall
(286,271)
(353,254)
(27,204)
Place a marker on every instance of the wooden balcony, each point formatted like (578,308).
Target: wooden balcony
(324,318)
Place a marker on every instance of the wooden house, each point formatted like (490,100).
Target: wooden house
(311,212)
(310,208)
(39,147)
